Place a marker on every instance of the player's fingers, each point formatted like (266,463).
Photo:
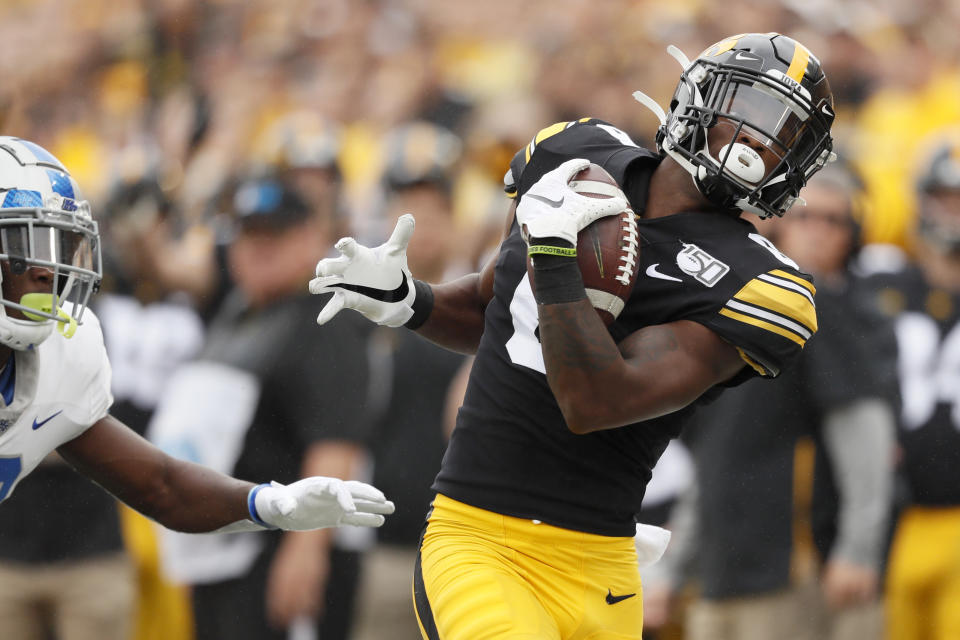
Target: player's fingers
(597,207)
(332,308)
(364,491)
(331,266)
(400,237)
(322,284)
(370,506)
(570,168)
(363,519)
(614,205)
(341,493)
(347,246)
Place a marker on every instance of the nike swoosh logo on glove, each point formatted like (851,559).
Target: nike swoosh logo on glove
(553,203)
(394,295)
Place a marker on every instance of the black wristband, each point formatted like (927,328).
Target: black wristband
(422,305)
(557,279)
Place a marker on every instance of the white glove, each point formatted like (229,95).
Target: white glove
(375,282)
(551,209)
(318,502)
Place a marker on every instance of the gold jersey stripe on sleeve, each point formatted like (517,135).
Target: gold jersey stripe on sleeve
(798,65)
(780,273)
(768,316)
(543,134)
(789,335)
(787,284)
(791,303)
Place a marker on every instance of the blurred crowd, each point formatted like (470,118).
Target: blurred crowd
(192,91)
(213,137)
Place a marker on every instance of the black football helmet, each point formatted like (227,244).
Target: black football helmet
(765,89)
(938,188)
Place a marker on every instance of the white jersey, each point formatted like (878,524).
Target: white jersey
(61,389)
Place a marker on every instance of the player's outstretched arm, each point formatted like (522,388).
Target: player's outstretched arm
(188,497)
(377,283)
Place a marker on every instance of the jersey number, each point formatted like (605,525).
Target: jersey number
(929,369)
(772,248)
(523,347)
(9,471)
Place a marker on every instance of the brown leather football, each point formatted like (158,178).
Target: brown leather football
(608,251)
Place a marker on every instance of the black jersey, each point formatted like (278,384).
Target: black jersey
(512,452)
(927,324)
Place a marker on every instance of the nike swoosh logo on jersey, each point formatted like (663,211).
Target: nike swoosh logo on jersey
(37,425)
(653,273)
(553,203)
(612,599)
(394,295)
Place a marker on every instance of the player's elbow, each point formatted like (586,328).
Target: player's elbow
(582,418)
(579,427)
(590,410)
(581,411)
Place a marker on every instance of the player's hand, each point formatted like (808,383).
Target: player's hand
(318,502)
(375,282)
(845,584)
(551,209)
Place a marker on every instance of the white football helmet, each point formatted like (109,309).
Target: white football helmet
(44,223)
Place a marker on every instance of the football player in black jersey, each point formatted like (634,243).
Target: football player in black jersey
(531,532)
(923,581)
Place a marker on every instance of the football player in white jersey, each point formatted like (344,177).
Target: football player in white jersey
(55,378)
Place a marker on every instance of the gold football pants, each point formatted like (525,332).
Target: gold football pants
(923,580)
(484,576)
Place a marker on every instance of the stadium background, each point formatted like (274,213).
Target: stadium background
(190,90)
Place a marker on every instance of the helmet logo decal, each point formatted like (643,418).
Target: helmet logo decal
(22,198)
(60,183)
(696,262)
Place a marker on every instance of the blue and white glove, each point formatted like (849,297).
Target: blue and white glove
(551,209)
(375,282)
(316,503)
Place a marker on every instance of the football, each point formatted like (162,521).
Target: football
(608,251)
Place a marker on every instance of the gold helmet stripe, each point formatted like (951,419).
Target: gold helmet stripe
(798,66)
(726,45)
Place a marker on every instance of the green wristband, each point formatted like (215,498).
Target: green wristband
(542,249)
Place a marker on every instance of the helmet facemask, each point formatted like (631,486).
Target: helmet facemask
(721,113)
(61,238)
